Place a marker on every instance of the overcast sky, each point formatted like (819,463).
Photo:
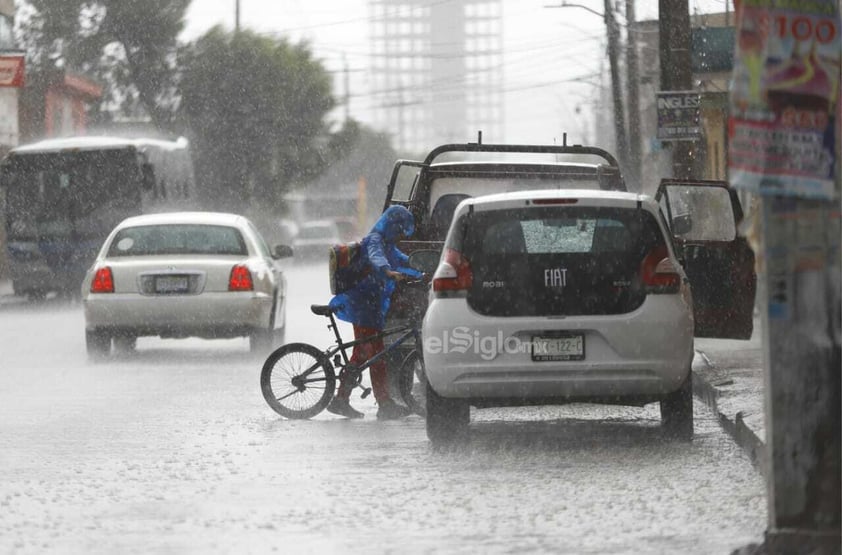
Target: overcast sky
(551,61)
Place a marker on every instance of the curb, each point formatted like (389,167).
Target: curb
(742,435)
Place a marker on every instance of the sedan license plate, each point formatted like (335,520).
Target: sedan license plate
(172,284)
(567,347)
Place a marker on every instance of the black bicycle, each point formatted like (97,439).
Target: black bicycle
(298,380)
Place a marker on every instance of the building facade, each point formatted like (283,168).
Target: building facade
(11,78)
(712,58)
(437,70)
(9,130)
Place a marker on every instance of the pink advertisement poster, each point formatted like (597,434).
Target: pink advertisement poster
(785,98)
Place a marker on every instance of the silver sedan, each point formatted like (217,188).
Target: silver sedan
(184,274)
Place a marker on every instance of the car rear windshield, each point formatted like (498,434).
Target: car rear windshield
(558,260)
(151,240)
(447,192)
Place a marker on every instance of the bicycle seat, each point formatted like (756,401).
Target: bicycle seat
(321,309)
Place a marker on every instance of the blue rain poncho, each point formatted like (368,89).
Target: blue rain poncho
(367,303)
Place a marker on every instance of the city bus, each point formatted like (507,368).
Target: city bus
(63,196)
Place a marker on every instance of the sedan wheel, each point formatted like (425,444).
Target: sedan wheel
(261,341)
(98,344)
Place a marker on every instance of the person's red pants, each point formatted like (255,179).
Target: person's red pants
(377,371)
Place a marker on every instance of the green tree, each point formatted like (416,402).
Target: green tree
(256,108)
(130,47)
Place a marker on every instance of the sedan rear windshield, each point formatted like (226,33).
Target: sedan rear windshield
(151,240)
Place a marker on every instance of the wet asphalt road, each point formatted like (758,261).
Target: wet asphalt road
(173,450)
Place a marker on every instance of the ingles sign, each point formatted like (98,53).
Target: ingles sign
(11,70)
(678,116)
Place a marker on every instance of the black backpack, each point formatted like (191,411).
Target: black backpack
(344,270)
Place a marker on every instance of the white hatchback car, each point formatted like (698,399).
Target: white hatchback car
(548,297)
(184,274)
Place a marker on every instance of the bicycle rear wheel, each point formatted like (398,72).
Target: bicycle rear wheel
(297,381)
(412,381)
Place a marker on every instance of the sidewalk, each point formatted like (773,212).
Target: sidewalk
(728,377)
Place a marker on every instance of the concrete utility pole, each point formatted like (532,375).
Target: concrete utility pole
(802,370)
(633,175)
(236,15)
(676,70)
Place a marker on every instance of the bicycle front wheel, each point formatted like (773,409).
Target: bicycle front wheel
(413,383)
(297,381)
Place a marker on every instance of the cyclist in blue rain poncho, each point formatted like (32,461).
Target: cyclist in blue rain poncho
(365,305)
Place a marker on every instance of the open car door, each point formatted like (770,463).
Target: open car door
(402,182)
(703,217)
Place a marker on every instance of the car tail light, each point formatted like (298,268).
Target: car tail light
(658,272)
(453,274)
(240,279)
(103,281)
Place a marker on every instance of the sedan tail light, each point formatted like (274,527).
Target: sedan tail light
(240,279)
(658,273)
(454,274)
(103,281)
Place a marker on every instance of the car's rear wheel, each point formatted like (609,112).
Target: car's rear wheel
(447,419)
(262,341)
(98,344)
(677,412)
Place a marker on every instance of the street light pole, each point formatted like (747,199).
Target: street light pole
(634,171)
(616,91)
(237,15)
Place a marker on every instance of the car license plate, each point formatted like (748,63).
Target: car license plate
(566,347)
(172,284)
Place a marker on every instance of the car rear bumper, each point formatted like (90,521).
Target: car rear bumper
(224,314)
(641,355)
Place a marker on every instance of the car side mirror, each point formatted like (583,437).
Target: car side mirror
(147,175)
(424,261)
(682,224)
(282,251)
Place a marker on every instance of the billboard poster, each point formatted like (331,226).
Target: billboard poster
(678,116)
(11,70)
(784,98)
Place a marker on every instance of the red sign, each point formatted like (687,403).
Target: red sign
(11,70)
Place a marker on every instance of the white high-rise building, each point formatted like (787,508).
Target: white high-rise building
(437,71)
